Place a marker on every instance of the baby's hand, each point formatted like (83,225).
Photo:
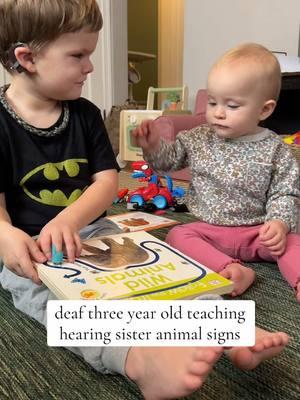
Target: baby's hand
(63,236)
(17,250)
(273,235)
(147,136)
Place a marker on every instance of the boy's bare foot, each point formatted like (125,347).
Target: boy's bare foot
(267,345)
(242,277)
(298,292)
(170,372)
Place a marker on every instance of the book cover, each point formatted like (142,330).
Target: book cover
(130,120)
(132,265)
(140,221)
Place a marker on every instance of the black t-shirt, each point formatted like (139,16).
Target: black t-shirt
(42,175)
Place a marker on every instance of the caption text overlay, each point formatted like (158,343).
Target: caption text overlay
(151,323)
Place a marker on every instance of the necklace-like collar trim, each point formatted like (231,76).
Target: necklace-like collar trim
(57,130)
(255,137)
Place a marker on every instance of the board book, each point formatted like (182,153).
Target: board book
(133,265)
(138,221)
(130,120)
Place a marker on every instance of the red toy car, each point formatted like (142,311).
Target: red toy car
(156,193)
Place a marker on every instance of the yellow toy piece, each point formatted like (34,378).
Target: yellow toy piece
(292,139)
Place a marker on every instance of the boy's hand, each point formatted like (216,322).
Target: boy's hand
(273,235)
(18,251)
(63,236)
(147,136)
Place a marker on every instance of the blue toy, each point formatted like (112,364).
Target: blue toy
(57,256)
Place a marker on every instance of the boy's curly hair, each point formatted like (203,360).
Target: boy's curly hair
(37,22)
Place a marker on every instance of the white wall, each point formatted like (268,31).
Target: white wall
(119,44)
(107,85)
(214,26)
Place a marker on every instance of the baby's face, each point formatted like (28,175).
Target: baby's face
(235,101)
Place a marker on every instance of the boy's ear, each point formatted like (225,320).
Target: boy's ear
(25,57)
(267,109)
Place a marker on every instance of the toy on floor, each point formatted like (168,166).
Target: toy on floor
(153,196)
(293,139)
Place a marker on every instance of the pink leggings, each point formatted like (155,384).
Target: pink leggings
(217,246)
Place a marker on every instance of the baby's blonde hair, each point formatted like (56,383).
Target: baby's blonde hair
(37,22)
(257,59)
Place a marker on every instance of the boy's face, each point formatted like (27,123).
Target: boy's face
(235,102)
(62,66)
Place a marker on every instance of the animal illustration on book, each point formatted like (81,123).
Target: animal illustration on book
(132,265)
(134,222)
(117,255)
(140,221)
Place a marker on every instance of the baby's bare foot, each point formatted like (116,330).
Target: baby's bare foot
(298,292)
(170,372)
(242,277)
(267,345)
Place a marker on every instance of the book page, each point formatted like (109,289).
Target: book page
(140,221)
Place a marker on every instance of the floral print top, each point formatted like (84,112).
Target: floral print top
(241,181)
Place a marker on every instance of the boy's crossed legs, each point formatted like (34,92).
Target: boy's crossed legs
(221,249)
(159,372)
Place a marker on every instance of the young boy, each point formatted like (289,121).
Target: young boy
(245,181)
(58,174)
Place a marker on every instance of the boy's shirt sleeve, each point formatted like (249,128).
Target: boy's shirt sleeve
(284,191)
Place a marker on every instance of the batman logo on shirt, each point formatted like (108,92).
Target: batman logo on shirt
(57,178)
